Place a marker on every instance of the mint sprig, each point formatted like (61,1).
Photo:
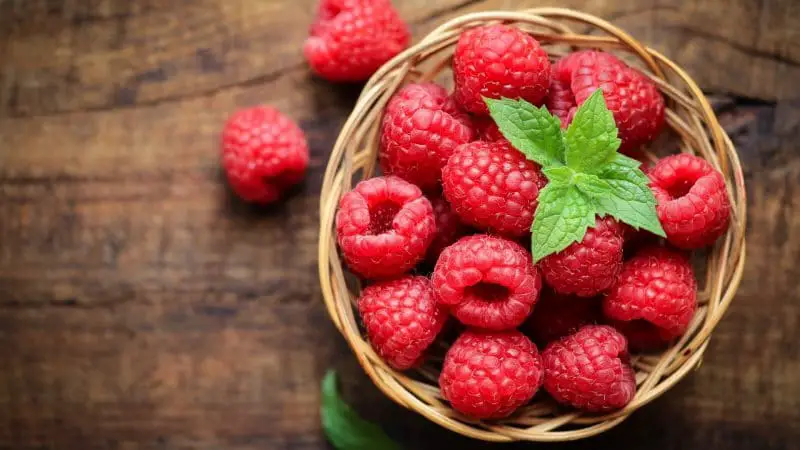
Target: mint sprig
(344,428)
(586,175)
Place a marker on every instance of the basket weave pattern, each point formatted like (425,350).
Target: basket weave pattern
(689,118)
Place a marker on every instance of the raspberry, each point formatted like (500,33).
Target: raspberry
(556,316)
(264,153)
(448,228)
(588,267)
(590,370)
(384,227)
(499,61)
(488,375)
(487,129)
(402,319)
(418,135)
(692,203)
(634,100)
(656,289)
(489,282)
(493,187)
(351,39)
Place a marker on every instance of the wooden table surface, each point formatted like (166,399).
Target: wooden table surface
(143,307)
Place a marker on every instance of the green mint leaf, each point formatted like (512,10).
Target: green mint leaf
(592,185)
(627,199)
(562,217)
(626,161)
(592,140)
(343,426)
(559,175)
(533,131)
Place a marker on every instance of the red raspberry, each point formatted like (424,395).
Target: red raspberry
(656,289)
(384,227)
(590,370)
(402,318)
(488,375)
(351,39)
(487,129)
(489,282)
(499,61)
(418,135)
(635,101)
(448,228)
(588,267)
(641,335)
(264,153)
(493,187)
(692,202)
(556,316)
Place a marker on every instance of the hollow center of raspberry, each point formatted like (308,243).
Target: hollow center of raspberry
(680,187)
(381,217)
(487,292)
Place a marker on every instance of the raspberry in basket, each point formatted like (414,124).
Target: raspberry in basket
(488,375)
(487,281)
(692,203)
(588,267)
(556,316)
(499,61)
(264,153)
(635,101)
(351,39)
(492,186)
(420,130)
(590,370)
(655,290)
(448,228)
(402,319)
(384,227)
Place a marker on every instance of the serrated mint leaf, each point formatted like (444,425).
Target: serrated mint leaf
(533,131)
(559,175)
(592,140)
(562,217)
(591,185)
(626,161)
(628,198)
(343,426)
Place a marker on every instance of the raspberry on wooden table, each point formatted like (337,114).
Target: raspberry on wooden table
(402,319)
(487,281)
(384,227)
(350,39)
(556,316)
(633,99)
(488,375)
(656,294)
(418,134)
(499,61)
(493,187)
(264,153)
(448,228)
(590,370)
(692,201)
(588,267)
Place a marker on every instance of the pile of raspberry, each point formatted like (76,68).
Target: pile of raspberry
(443,236)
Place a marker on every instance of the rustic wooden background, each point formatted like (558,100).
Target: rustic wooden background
(143,307)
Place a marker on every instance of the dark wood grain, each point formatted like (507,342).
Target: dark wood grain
(143,307)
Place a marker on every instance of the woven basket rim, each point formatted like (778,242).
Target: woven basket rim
(689,116)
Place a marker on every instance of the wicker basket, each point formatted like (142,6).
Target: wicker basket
(692,124)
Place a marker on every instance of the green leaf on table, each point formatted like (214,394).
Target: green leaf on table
(344,428)
(533,131)
(591,139)
(562,217)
